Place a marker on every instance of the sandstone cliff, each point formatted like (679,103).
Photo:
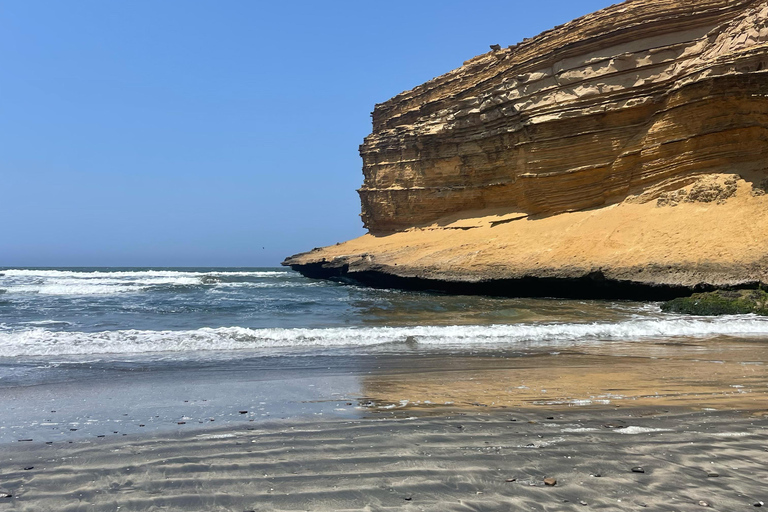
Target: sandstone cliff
(628,146)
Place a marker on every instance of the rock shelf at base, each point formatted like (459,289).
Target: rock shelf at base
(591,286)
(632,250)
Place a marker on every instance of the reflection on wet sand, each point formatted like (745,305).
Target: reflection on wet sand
(721,373)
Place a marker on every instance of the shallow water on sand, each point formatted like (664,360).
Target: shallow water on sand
(119,351)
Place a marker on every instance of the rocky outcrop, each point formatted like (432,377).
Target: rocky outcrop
(642,109)
(720,302)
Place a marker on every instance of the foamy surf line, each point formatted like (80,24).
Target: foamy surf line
(85,274)
(39,341)
(99,282)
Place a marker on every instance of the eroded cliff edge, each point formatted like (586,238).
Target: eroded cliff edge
(622,154)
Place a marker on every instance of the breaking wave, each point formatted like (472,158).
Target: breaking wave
(81,282)
(39,341)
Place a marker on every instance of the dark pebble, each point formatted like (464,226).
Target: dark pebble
(182,422)
(28,468)
(511,479)
(459,426)
(101,436)
(243,412)
(758,504)
(407,498)
(349,403)
(24,440)
(141,425)
(597,475)
(712,474)
(638,469)
(72,429)
(550,417)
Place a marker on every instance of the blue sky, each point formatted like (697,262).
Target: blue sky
(211,133)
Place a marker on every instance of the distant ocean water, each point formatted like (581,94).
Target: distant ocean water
(214,313)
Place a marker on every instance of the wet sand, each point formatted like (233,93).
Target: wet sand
(409,431)
(453,461)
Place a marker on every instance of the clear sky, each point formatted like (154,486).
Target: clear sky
(211,133)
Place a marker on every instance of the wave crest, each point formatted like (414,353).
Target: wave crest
(100,282)
(42,342)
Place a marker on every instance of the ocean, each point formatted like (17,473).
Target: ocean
(104,343)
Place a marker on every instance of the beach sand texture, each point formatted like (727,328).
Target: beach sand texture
(457,461)
(439,432)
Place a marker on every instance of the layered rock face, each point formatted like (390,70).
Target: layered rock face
(626,150)
(581,116)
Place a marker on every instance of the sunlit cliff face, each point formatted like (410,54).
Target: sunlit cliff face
(581,116)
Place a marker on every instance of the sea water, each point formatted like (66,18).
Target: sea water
(102,343)
(208,313)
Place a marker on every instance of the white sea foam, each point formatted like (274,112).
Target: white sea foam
(633,430)
(40,341)
(66,282)
(138,273)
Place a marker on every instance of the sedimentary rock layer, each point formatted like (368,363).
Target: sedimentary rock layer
(576,117)
(626,106)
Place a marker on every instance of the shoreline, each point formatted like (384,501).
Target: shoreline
(76,401)
(404,430)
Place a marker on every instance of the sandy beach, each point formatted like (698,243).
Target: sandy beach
(455,460)
(623,426)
